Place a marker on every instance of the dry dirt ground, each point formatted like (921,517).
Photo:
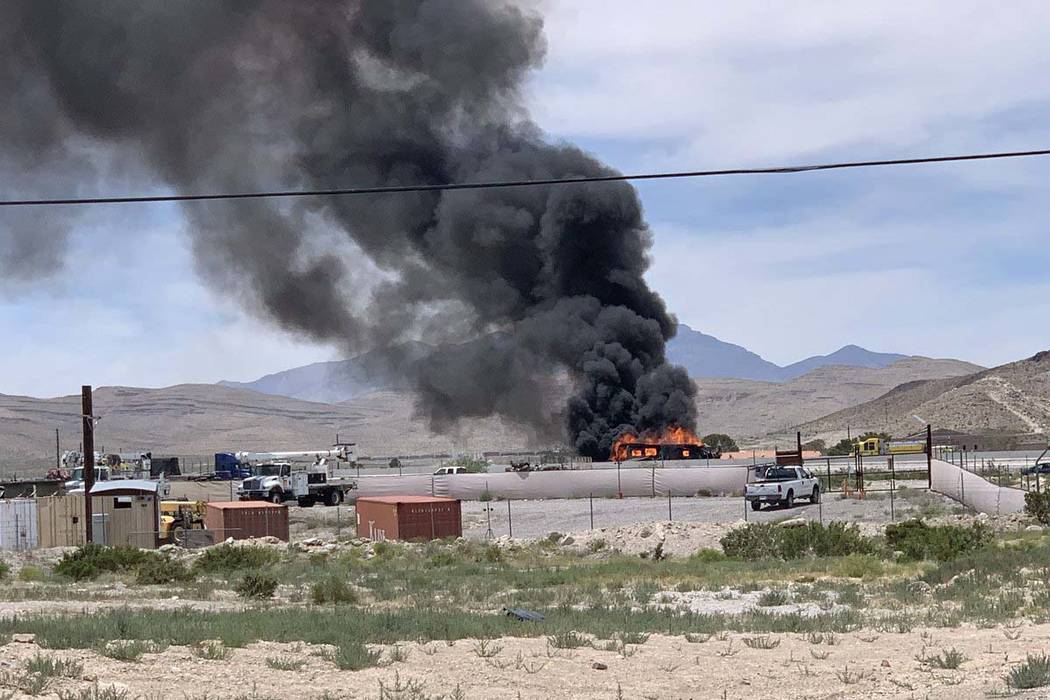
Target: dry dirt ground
(858,665)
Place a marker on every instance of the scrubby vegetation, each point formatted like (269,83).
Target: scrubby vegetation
(256,586)
(227,558)
(917,540)
(771,541)
(1037,504)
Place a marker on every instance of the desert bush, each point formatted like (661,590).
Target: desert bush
(32,574)
(1037,505)
(1033,672)
(125,649)
(5,570)
(332,589)
(567,640)
(91,560)
(948,659)
(256,586)
(773,598)
(211,650)
(226,558)
(919,541)
(161,569)
(770,541)
(354,656)
(284,663)
(48,667)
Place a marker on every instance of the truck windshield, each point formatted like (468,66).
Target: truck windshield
(267,470)
(779,474)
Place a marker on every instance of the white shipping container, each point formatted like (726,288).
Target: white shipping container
(18,524)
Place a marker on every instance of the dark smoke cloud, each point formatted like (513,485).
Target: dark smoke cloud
(254,94)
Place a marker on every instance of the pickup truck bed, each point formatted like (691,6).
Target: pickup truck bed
(781,486)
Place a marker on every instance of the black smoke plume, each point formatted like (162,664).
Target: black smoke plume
(201,96)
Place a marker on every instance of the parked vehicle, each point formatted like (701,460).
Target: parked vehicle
(1039,468)
(178,517)
(76,477)
(272,478)
(781,486)
(449,471)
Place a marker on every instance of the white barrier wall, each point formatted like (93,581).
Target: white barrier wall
(18,524)
(562,484)
(973,491)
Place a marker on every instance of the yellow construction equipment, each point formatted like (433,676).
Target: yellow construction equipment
(178,517)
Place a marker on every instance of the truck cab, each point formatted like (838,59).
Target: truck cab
(76,477)
(268,482)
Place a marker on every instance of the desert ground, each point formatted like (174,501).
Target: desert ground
(638,607)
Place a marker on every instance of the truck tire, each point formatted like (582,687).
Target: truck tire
(789,500)
(178,536)
(305,501)
(756,505)
(815,498)
(276,496)
(333,497)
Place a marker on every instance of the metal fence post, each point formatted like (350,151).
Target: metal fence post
(592,510)
(669,518)
(510,520)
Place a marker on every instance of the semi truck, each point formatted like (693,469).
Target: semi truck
(273,478)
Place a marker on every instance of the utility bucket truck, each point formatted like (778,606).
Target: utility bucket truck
(273,478)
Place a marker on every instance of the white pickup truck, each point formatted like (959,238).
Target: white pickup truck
(782,485)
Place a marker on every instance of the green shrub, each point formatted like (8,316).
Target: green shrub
(1037,504)
(227,557)
(771,541)
(49,668)
(919,541)
(4,570)
(91,560)
(773,598)
(332,590)
(161,569)
(354,656)
(1034,672)
(32,574)
(256,586)
(211,651)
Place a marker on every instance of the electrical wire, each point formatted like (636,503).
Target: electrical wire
(393,189)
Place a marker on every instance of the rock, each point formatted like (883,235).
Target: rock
(23,638)
(1034,528)
(645,533)
(885,663)
(920,587)
(599,666)
(311,542)
(166,548)
(981,517)
(793,522)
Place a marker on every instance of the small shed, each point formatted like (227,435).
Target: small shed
(124,512)
(18,524)
(243,519)
(408,517)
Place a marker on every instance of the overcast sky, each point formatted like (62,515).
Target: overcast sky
(947,260)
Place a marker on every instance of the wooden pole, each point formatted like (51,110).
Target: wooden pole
(89,458)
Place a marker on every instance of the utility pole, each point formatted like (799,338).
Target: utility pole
(88,417)
(58,456)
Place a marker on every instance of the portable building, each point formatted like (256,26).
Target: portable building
(18,524)
(124,512)
(408,517)
(243,519)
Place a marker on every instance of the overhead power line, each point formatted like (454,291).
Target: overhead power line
(392,189)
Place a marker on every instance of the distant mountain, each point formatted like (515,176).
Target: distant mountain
(705,356)
(1012,398)
(340,380)
(850,356)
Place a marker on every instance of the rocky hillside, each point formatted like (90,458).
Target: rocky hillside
(752,410)
(1013,398)
(194,419)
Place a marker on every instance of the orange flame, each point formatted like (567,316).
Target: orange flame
(647,441)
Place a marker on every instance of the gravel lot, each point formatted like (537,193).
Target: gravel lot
(535,519)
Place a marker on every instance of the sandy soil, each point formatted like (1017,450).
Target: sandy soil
(858,665)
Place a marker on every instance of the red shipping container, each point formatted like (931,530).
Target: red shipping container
(243,519)
(408,517)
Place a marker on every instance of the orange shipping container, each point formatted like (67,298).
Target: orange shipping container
(408,517)
(243,519)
